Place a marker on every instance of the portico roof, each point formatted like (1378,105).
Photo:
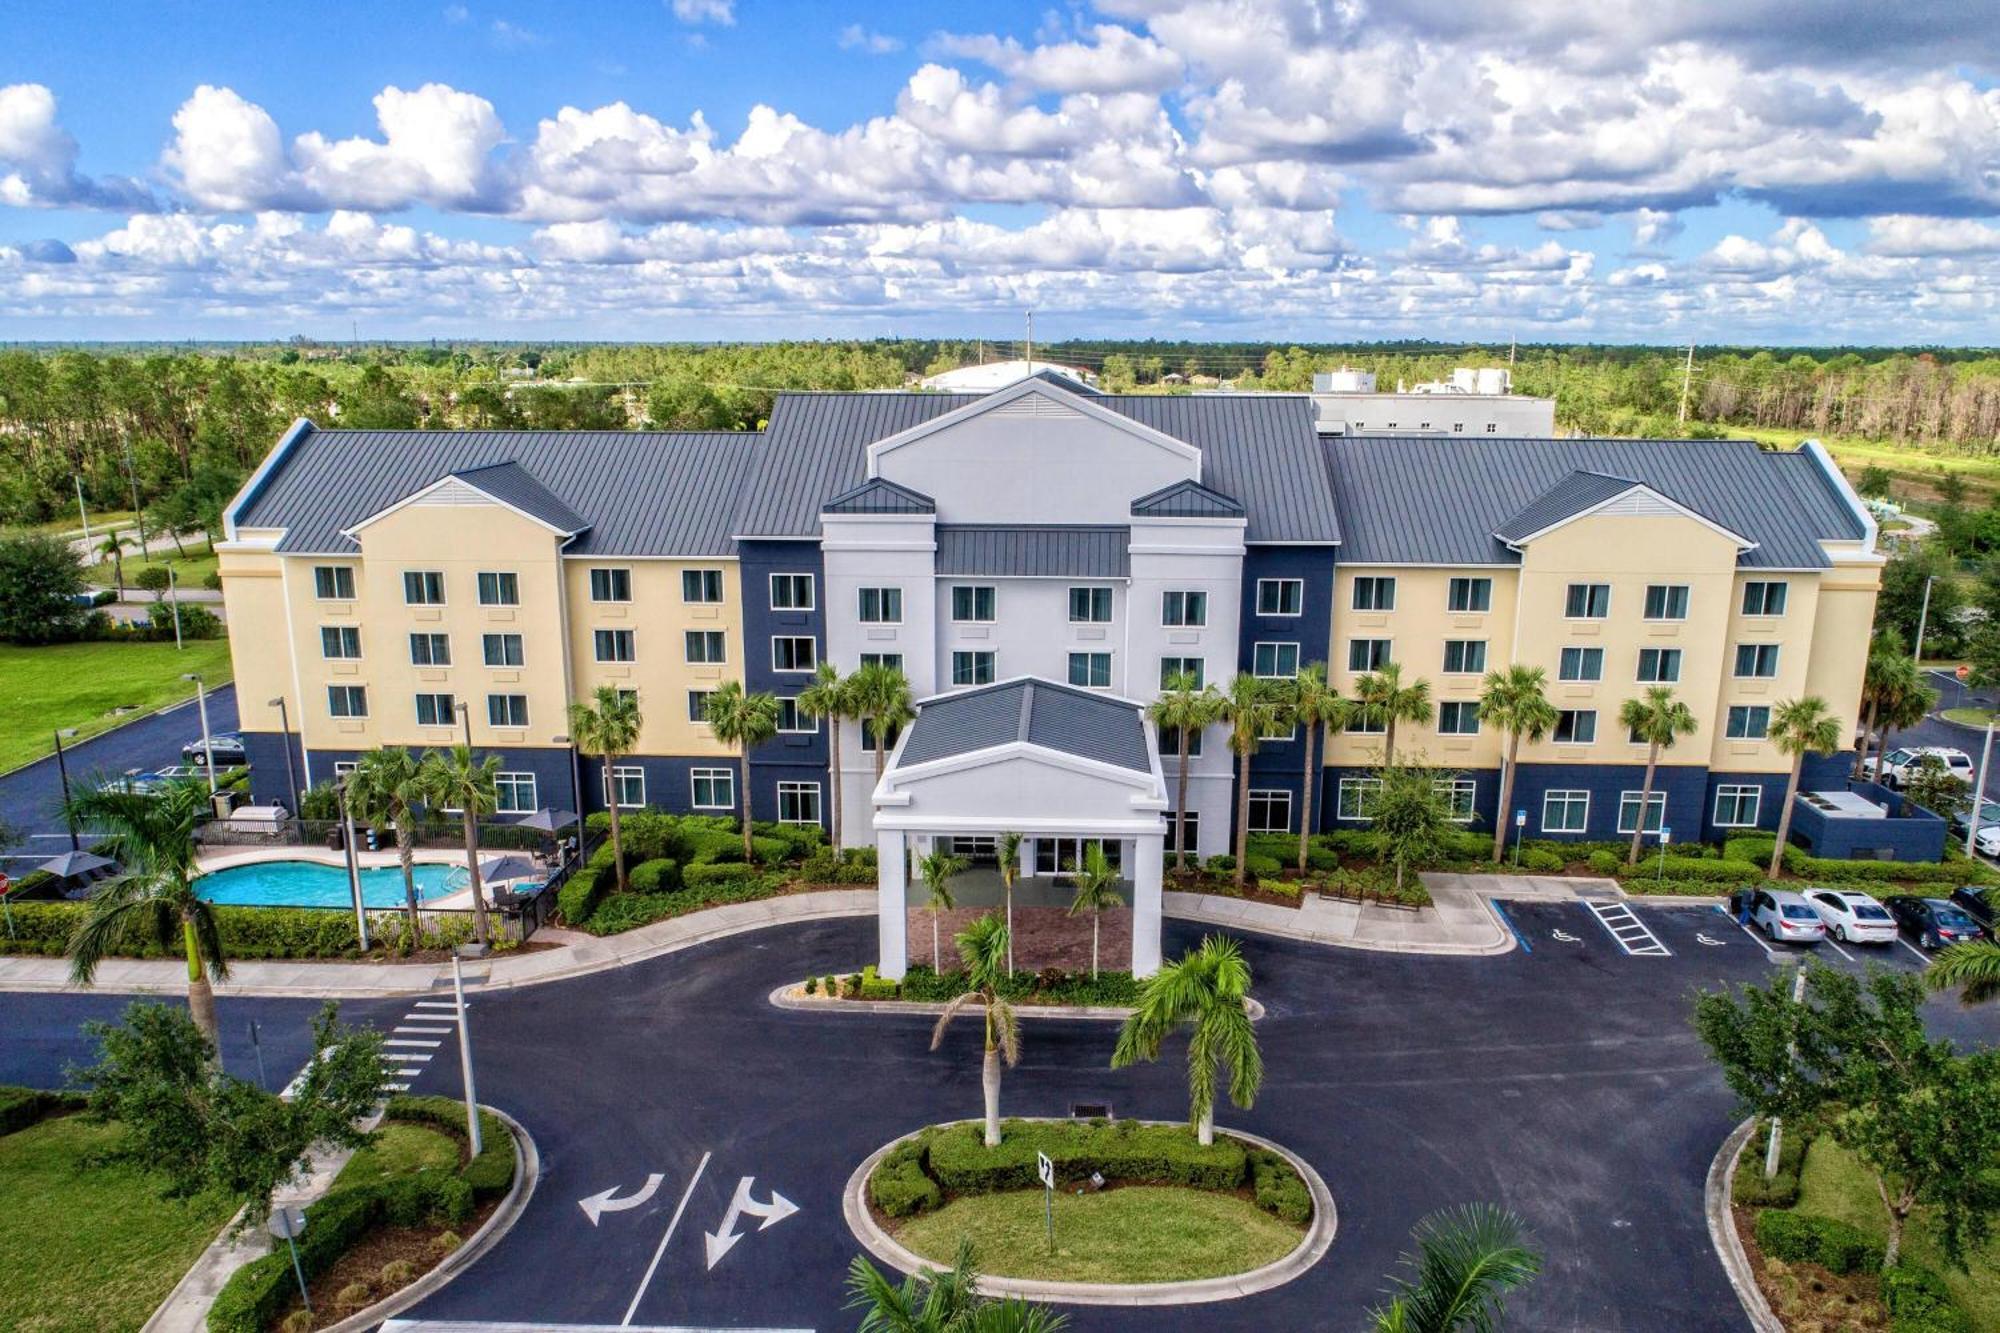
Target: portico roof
(1029,711)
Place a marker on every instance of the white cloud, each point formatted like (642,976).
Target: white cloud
(1902,234)
(854,37)
(38,159)
(1115,60)
(705,11)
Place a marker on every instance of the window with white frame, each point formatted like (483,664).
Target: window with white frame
(1181,609)
(1581,664)
(880,606)
(1459,795)
(507,710)
(1368,654)
(798,803)
(500,650)
(972,603)
(1090,670)
(1359,724)
(705,646)
(794,720)
(611,585)
(1748,722)
(713,788)
(436,710)
(1195,668)
(514,793)
(793,652)
(1469,595)
(1659,666)
(1587,601)
(894,661)
(1575,726)
(423,587)
(340,642)
(1274,661)
(701,587)
(1737,806)
(333,583)
(628,787)
(698,706)
(1666,601)
(1628,811)
(347,700)
(1763,597)
(501,588)
(1374,592)
(1270,811)
(792,592)
(1090,606)
(1281,597)
(1170,743)
(1565,810)
(972,666)
(1458,717)
(430,650)
(1756,660)
(613,645)
(1354,798)
(1464,657)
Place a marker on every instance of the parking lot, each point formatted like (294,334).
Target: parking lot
(1701,940)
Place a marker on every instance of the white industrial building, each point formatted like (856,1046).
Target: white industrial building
(1472,402)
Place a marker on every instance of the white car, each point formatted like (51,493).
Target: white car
(1785,917)
(1892,768)
(1987,840)
(1851,917)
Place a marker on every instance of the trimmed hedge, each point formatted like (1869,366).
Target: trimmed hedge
(490,1173)
(899,1186)
(855,865)
(256,1292)
(1809,1238)
(1728,870)
(247,932)
(659,875)
(1605,863)
(625,911)
(1278,1188)
(1919,1302)
(1543,862)
(1751,1189)
(1123,1150)
(580,894)
(1954,869)
(707,874)
(1049,986)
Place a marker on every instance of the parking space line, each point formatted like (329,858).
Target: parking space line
(1922,957)
(1834,945)
(1508,921)
(1625,927)
(1762,943)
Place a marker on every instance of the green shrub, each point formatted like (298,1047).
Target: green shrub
(1282,888)
(256,1292)
(247,932)
(711,846)
(812,985)
(579,896)
(1808,1238)
(397,1273)
(659,875)
(1124,1150)
(1219,865)
(1919,1302)
(1541,862)
(1278,1188)
(801,840)
(435,1196)
(1461,845)
(1725,871)
(488,1174)
(153,578)
(899,1186)
(1262,867)
(1605,863)
(1280,847)
(1751,1189)
(876,988)
(706,874)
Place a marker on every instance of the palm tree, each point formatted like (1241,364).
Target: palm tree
(151,835)
(936,868)
(1009,850)
(1799,727)
(941,1302)
(829,697)
(1891,674)
(882,699)
(1251,707)
(1382,699)
(1183,706)
(983,946)
(1314,704)
(1658,719)
(113,548)
(608,724)
(1207,988)
(744,720)
(1096,886)
(1903,701)
(1467,1260)
(453,780)
(1516,701)
(387,787)
(1975,966)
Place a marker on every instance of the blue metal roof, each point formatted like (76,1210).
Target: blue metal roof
(1035,711)
(1052,551)
(880,496)
(1187,499)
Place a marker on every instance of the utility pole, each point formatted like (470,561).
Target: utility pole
(132,476)
(1031,349)
(465,1059)
(1510,351)
(81,512)
(1923,619)
(1687,380)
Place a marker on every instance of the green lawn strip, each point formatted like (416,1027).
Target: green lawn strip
(100,524)
(1138,1233)
(189,570)
(79,684)
(103,1249)
(1834,1185)
(1971,717)
(403,1149)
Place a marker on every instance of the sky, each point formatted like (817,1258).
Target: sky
(1716,171)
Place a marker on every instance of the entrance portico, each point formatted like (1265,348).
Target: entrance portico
(1061,766)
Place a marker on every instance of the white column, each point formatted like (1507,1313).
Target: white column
(892,878)
(1145,870)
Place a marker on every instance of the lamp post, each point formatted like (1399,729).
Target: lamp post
(465,1059)
(464,710)
(81,512)
(207,742)
(1979,789)
(174,599)
(1923,618)
(285,730)
(575,775)
(62,768)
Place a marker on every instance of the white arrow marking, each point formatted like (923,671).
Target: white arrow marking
(723,1239)
(608,1202)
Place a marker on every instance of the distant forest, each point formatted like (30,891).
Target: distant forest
(176,427)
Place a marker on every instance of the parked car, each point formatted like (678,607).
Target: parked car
(1786,917)
(1989,818)
(144,784)
(1934,921)
(1982,904)
(228,747)
(1853,917)
(1891,768)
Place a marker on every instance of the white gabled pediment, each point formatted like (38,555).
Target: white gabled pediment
(1636,501)
(1037,400)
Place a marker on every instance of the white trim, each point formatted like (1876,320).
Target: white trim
(280,453)
(1000,398)
(451,479)
(796,670)
(1757,810)
(771,588)
(1543,823)
(1257,600)
(1742,543)
(1816,451)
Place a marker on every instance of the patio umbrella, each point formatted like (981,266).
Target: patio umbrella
(493,870)
(547,821)
(75,865)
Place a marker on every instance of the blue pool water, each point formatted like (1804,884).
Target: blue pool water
(310,884)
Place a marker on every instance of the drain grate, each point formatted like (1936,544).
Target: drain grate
(1090,1111)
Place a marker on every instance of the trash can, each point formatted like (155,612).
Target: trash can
(224,802)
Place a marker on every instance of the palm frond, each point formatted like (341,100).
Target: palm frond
(1973,968)
(886,1307)
(101,930)
(1467,1260)
(952,1009)
(1008,1023)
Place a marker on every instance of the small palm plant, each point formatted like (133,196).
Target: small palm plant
(113,548)
(881,698)
(1467,1260)
(1207,989)
(746,721)
(1799,727)
(387,786)
(454,780)
(1658,719)
(941,1302)
(983,948)
(1096,887)
(1183,706)
(1009,849)
(936,868)
(608,724)
(1314,705)
(1251,707)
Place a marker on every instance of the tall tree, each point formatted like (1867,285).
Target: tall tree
(881,697)
(1251,709)
(387,787)
(983,948)
(1408,818)
(1183,706)
(610,724)
(1468,1259)
(1658,719)
(1382,699)
(1314,705)
(829,698)
(1799,727)
(455,780)
(1890,679)
(1516,700)
(936,869)
(41,589)
(745,720)
(1205,989)
(1095,886)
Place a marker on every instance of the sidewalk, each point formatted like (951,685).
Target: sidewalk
(1457,924)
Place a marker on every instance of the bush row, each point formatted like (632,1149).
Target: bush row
(247,932)
(1124,1150)
(492,1171)
(1954,869)
(899,1186)
(625,911)
(1811,1239)
(1051,985)
(1278,1188)
(855,865)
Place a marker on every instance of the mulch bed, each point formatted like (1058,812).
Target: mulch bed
(1226,888)
(364,1263)
(1806,1296)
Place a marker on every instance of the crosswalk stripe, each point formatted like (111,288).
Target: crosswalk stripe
(400,1042)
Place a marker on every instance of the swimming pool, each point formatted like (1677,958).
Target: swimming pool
(310,884)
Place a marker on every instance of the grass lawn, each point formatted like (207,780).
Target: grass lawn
(403,1149)
(189,571)
(79,684)
(1140,1233)
(1971,717)
(1914,466)
(1834,1185)
(95,1247)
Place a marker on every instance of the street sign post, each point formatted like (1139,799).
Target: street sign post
(1520,831)
(1046,1169)
(1666,835)
(288,1223)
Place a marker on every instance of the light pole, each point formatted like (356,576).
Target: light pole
(207,742)
(174,597)
(353,864)
(285,730)
(81,512)
(1979,789)
(62,768)
(465,1059)
(465,711)
(1798,998)
(575,776)
(1923,618)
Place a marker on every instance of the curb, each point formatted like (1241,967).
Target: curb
(1318,1240)
(1722,1230)
(527,1171)
(781,998)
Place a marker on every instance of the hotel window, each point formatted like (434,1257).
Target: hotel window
(1581,664)
(793,652)
(1628,811)
(500,650)
(972,602)
(793,720)
(515,793)
(1764,599)
(347,700)
(1575,726)
(507,710)
(798,803)
(499,589)
(1464,657)
(868,736)
(1459,795)
(1367,654)
(1090,606)
(1737,806)
(1170,743)
(1587,601)
(423,587)
(1659,666)
(613,645)
(972,668)
(698,706)
(1189,831)
(1375,592)
(894,661)
(333,583)
(881,606)
(1274,661)
(1748,722)
(1359,724)
(436,710)
(1194,667)
(1666,601)
(611,585)
(714,788)
(1090,670)
(340,641)
(791,592)
(1759,660)
(1468,595)
(1281,597)
(704,646)
(1270,812)
(1458,717)
(701,585)
(1354,797)
(628,787)
(1565,810)
(1184,610)
(430,650)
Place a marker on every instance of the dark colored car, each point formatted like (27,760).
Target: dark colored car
(229,751)
(1981,903)
(1934,921)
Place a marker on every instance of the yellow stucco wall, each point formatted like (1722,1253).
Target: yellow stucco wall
(659,618)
